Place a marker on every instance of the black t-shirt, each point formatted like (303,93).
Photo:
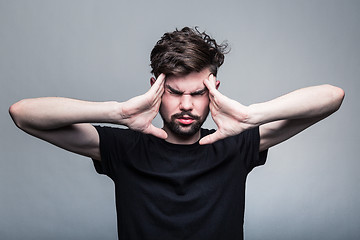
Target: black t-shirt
(170,191)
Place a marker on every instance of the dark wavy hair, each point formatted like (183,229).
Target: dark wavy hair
(187,50)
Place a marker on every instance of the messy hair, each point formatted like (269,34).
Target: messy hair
(187,50)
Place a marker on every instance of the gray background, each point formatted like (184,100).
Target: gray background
(99,50)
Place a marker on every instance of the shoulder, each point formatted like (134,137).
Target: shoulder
(249,134)
(117,135)
(204,131)
(113,130)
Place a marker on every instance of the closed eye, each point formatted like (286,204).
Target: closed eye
(174,92)
(199,93)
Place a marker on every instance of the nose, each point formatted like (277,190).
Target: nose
(186,103)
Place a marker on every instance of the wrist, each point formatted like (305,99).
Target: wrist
(116,114)
(255,115)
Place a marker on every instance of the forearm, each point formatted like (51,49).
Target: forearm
(311,102)
(54,112)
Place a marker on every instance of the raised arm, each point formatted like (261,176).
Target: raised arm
(66,122)
(283,117)
(63,122)
(279,119)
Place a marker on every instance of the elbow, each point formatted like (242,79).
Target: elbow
(337,96)
(15,112)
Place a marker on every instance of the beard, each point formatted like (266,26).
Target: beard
(183,130)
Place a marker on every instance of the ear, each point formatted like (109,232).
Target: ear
(152,80)
(217,84)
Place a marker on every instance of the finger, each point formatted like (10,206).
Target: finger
(160,80)
(156,91)
(211,138)
(157,132)
(210,83)
(214,94)
(161,89)
(212,79)
(158,86)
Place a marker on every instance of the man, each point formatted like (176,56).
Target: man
(181,181)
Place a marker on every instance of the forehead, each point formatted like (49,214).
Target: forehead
(190,82)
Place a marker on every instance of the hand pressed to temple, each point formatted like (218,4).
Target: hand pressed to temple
(230,116)
(139,112)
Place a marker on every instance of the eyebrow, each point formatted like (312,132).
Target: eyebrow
(197,92)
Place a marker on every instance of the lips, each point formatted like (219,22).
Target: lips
(186,120)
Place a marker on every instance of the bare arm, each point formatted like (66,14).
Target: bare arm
(66,122)
(279,119)
(283,117)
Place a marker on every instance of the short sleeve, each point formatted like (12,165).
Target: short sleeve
(255,158)
(113,145)
(107,141)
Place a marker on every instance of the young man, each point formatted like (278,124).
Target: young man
(181,181)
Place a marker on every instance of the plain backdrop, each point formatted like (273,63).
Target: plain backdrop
(99,51)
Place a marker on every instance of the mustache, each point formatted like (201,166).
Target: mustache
(185,113)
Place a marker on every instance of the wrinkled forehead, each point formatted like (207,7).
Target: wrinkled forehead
(188,83)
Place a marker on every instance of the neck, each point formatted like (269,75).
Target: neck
(184,140)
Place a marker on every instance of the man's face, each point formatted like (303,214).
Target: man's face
(185,104)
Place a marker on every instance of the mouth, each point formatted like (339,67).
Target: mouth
(185,120)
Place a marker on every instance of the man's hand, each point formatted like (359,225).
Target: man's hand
(279,119)
(230,116)
(139,112)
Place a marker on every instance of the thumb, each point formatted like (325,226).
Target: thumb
(157,132)
(211,138)
(210,83)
